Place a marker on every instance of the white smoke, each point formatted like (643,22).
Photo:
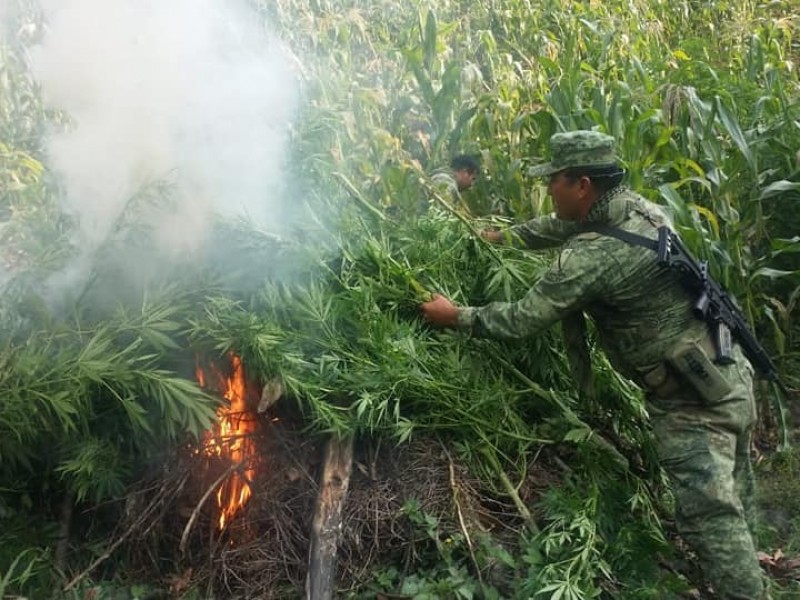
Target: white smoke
(195,90)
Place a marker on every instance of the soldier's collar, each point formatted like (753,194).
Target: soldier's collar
(602,210)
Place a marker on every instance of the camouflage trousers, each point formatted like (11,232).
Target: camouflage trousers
(705,450)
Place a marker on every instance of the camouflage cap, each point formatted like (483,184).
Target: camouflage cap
(577,149)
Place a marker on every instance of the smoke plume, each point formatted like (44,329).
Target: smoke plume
(195,91)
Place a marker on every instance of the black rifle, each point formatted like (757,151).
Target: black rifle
(712,304)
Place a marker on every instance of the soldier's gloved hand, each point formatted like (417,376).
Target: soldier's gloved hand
(440,312)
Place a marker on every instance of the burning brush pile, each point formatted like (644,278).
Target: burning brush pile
(358,452)
(339,446)
(254,507)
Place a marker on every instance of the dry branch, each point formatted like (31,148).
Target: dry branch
(163,498)
(198,508)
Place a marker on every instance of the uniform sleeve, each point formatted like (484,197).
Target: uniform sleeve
(544,232)
(444,182)
(579,276)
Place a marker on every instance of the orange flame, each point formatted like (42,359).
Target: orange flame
(232,438)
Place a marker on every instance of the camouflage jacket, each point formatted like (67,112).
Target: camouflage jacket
(444,181)
(640,309)
(544,232)
(445,184)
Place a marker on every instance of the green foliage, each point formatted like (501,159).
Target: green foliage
(64,383)
(446,562)
(17,574)
(780,502)
(91,388)
(599,541)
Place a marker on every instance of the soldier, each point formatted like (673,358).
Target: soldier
(461,176)
(464,170)
(644,318)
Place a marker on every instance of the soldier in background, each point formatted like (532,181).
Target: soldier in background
(643,316)
(464,170)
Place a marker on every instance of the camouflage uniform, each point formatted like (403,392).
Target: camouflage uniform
(445,183)
(642,313)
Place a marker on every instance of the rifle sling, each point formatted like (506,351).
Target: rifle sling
(634,239)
